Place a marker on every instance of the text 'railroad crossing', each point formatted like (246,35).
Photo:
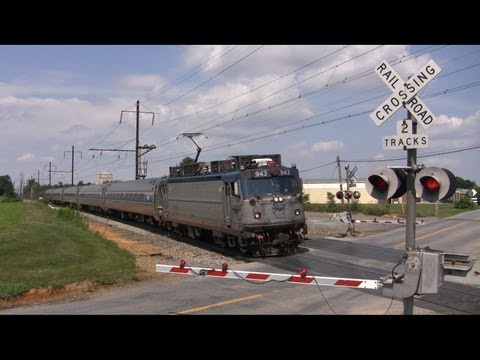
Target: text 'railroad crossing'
(404,94)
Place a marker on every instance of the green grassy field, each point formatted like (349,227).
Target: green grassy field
(41,247)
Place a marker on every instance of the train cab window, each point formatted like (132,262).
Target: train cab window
(270,186)
(235,188)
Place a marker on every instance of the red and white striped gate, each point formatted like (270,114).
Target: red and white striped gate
(301,278)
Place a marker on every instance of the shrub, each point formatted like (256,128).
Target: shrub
(8,199)
(331,204)
(377,210)
(71,215)
(464,203)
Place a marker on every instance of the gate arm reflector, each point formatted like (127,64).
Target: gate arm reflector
(267,277)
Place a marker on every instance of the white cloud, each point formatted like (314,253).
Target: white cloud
(299,149)
(26,157)
(330,63)
(29,157)
(45,83)
(51,115)
(143,81)
(327,146)
(454,132)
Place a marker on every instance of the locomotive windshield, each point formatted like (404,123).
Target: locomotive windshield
(287,185)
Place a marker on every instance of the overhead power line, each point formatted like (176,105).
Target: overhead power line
(211,78)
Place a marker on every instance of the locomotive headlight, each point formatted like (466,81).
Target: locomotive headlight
(275,199)
(257,215)
(297,212)
(280,199)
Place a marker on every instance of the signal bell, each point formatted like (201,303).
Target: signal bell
(433,184)
(384,183)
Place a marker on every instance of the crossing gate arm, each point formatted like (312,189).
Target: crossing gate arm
(393,222)
(302,278)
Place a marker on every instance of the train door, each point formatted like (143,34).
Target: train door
(231,202)
(104,198)
(161,199)
(227,210)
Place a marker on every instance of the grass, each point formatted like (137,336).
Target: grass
(41,247)
(423,210)
(10,214)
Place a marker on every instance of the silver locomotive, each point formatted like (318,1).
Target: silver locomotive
(249,202)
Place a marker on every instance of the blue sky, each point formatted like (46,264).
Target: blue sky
(309,103)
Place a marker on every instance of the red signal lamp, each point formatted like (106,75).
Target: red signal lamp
(434,184)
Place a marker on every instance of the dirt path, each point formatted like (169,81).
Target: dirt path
(146,254)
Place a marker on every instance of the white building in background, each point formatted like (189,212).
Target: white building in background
(104,177)
(318,189)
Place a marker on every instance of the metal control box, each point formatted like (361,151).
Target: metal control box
(431,277)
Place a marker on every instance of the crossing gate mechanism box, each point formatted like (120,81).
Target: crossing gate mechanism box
(431,277)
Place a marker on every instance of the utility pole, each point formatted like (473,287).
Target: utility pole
(138,154)
(38,177)
(349,174)
(73,159)
(21,184)
(59,171)
(340,177)
(49,172)
(137,141)
(411,208)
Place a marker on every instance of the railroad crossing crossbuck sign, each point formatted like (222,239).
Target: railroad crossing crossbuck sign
(404,94)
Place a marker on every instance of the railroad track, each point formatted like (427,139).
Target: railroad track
(335,258)
(340,258)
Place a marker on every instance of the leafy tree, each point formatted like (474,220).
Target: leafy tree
(187,160)
(32,190)
(331,203)
(306,198)
(465,184)
(6,186)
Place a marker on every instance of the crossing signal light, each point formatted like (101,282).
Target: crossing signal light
(347,195)
(434,184)
(384,183)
